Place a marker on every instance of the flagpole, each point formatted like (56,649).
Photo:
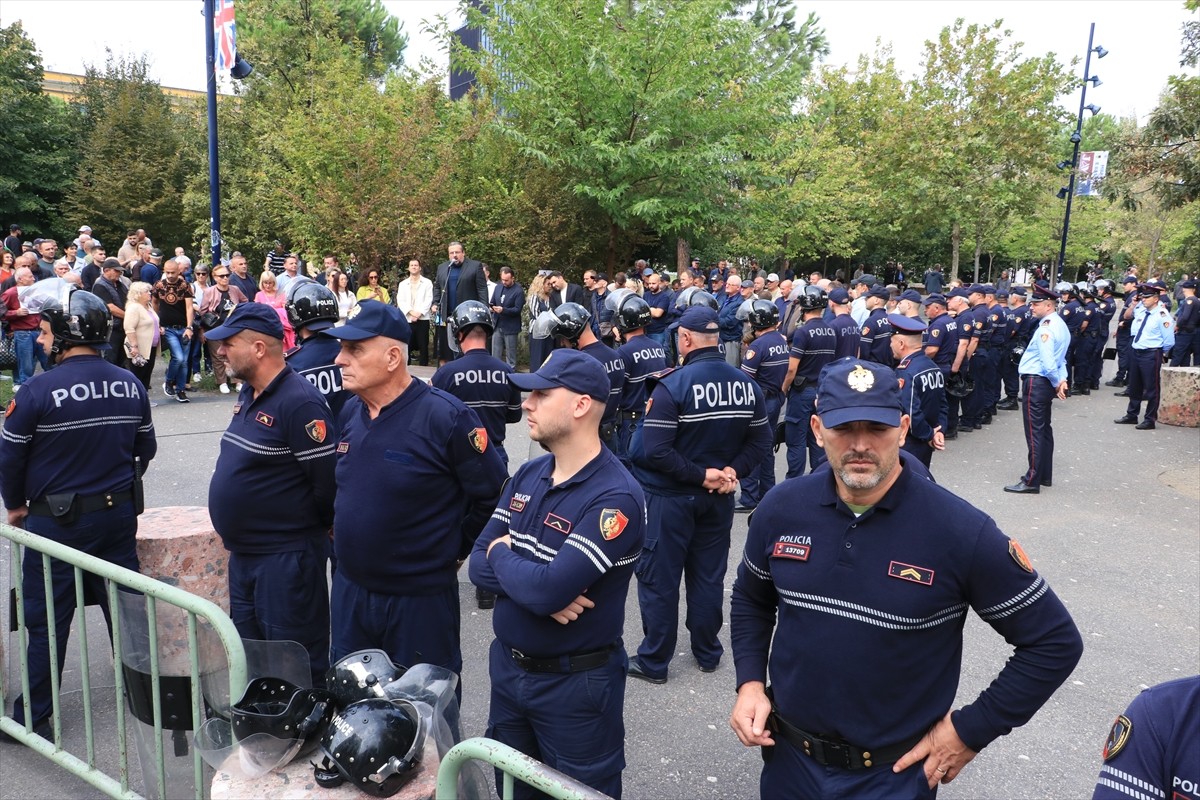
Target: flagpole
(214,184)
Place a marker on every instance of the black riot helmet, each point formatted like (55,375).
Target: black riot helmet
(573,320)
(283,710)
(761,314)
(361,675)
(702,298)
(374,744)
(309,302)
(813,298)
(632,313)
(77,318)
(469,314)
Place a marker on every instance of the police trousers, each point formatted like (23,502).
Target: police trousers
(688,536)
(1124,339)
(788,773)
(110,534)
(573,721)
(1144,378)
(1186,351)
(802,447)
(762,479)
(1039,435)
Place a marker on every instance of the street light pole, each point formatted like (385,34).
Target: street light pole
(214,185)
(1077,137)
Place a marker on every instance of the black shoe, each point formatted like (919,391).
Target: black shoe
(1084,390)
(1020,487)
(951,436)
(168,390)
(1095,385)
(635,671)
(1008,405)
(1120,394)
(484,599)
(1128,419)
(1145,425)
(986,420)
(709,670)
(967,428)
(182,397)
(1115,382)
(1047,484)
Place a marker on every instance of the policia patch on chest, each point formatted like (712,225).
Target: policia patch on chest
(1117,737)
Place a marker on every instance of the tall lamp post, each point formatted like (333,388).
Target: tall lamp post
(1069,190)
(239,70)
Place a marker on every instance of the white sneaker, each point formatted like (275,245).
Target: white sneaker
(224,388)
(195,377)
(240,385)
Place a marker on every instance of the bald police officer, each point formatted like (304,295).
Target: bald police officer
(705,425)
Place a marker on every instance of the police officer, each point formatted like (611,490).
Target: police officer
(975,406)
(1151,748)
(477,377)
(559,551)
(312,308)
(1085,350)
(1124,334)
(271,493)
(873,345)
(922,389)
(847,330)
(1153,331)
(1071,312)
(814,344)
(642,357)
(766,361)
(1043,370)
(909,558)
(1102,327)
(76,440)
(705,426)
(1187,319)
(417,480)
(997,346)
(959,380)
(693,296)
(572,328)
(1020,328)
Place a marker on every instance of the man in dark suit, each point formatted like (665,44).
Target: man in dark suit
(508,299)
(459,279)
(567,292)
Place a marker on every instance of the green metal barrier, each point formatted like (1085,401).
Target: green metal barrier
(515,765)
(155,592)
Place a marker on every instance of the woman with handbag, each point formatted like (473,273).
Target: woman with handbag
(539,301)
(218,302)
(142,335)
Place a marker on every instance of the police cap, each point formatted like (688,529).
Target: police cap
(852,390)
(701,319)
(258,317)
(371,318)
(839,296)
(567,369)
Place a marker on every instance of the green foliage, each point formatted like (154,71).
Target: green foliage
(37,146)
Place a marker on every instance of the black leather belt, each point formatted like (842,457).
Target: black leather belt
(579,662)
(85,505)
(630,415)
(834,753)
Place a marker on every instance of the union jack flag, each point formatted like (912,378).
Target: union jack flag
(225,29)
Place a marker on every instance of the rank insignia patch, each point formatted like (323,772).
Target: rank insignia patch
(316,430)
(343,447)
(236,408)
(559,524)
(1117,737)
(478,439)
(516,505)
(612,522)
(796,552)
(1018,555)
(907,572)
(12,406)
(1045,337)
(264,418)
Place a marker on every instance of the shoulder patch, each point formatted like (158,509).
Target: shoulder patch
(612,522)
(749,354)
(478,439)
(1018,555)
(12,406)
(1066,311)
(1118,736)
(316,430)
(935,333)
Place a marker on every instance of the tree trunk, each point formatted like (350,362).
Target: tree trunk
(610,260)
(991,264)
(955,241)
(978,251)
(683,252)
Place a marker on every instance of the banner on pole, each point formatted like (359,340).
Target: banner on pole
(1093,167)
(225,29)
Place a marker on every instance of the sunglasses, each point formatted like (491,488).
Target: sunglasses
(222,275)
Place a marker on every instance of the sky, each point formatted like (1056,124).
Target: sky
(1142,38)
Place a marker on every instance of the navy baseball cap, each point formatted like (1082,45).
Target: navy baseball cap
(249,317)
(1018,291)
(1001,295)
(959,292)
(976,288)
(371,318)
(911,294)
(935,298)
(647,272)
(905,324)
(568,369)
(851,390)
(866,280)
(701,319)
(879,291)
(989,289)
(1129,279)
(839,296)
(1190,283)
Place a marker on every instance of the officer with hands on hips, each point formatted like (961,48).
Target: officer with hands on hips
(559,551)
(642,357)
(1151,749)
(417,480)
(312,308)
(271,493)
(909,558)
(766,361)
(73,439)
(705,425)
(922,389)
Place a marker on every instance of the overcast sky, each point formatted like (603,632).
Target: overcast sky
(1142,38)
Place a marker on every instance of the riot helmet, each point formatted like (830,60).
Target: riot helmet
(374,744)
(568,321)
(309,302)
(361,675)
(761,314)
(77,318)
(813,298)
(632,313)
(469,314)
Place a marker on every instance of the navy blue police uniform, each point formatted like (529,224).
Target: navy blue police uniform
(1151,749)
(614,367)
(312,359)
(1043,367)
(848,335)
(910,567)
(815,345)
(1072,314)
(1124,332)
(875,344)
(416,484)
(1021,323)
(480,381)
(975,405)
(942,333)
(271,501)
(70,440)
(766,361)
(706,414)
(922,393)
(1108,309)
(1186,350)
(557,691)
(1085,351)
(1153,332)
(642,357)
(997,349)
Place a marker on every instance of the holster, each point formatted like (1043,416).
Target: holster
(63,507)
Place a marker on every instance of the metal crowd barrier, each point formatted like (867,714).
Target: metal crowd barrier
(515,765)
(156,593)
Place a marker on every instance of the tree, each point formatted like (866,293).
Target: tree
(655,111)
(36,150)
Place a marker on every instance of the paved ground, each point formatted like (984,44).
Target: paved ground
(1118,537)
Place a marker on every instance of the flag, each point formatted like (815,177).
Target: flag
(225,29)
